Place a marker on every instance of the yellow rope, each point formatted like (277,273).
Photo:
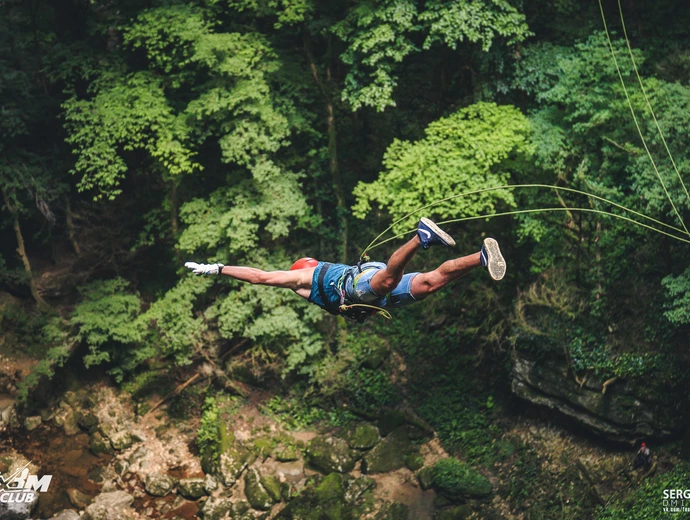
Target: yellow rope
(637,124)
(649,105)
(379,310)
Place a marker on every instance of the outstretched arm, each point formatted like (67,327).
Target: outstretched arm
(299,280)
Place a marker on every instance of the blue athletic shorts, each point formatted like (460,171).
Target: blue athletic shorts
(359,289)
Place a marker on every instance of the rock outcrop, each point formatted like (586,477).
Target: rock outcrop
(624,410)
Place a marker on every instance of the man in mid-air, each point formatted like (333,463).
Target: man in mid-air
(340,288)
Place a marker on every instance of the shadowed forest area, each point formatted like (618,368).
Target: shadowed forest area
(135,136)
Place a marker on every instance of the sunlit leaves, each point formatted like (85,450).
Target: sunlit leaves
(472,149)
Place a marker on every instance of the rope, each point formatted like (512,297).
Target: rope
(539,210)
(384,313)
(649,105)
(637,125)
(513,187)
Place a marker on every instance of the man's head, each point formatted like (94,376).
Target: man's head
(304,263)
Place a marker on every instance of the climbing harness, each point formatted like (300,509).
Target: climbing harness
(355,311)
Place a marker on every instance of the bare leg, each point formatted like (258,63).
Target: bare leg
(385,280)
(425,284)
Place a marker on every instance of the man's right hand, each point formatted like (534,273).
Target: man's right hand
(199,269)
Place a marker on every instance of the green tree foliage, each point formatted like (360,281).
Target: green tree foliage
(379,36)
(474,148)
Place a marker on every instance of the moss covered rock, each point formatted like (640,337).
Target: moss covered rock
(425,478)
(216,508)
(362,436)
(394,511)
(458,480)
(389,454)
(159,485)
(99,444)
(232,463)
(330,454)
(326,501)
(454,513)
(191,488)
(256,493)
(286,454)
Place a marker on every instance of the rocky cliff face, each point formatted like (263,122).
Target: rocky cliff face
(620,411)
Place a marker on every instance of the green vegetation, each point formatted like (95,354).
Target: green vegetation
(136,136)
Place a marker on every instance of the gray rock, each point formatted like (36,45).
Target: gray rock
(362,436)
(357,487)
(77,498)
(256,494)
(216,508)
(627,410)
(454,513)
(329,454)
(389,454)
(232,463)
(88,421)
(33,422)
(141,453)
(19,510)
(122,440)
(192,488)
(113,505)
(67,419)
(159,485)
(99,444)
(210,484)
(67,514)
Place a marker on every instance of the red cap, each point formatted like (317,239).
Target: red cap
(304,263)
(643,445)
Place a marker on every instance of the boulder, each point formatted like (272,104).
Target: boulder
(32,422)
(88,421)
(329,454)
(77,498)
(210,484)
(389,454)
(191,488)
(67,514)
(287,454)
(325,501)
(216,508)
(362,436)
(426,478)
(21,506)
(627,410)
(458,480)
(255,492)
(158,484)
(271,484)
(122,440)
(356,487)
(454,513)
(99,444)
(113,505)
(232,463)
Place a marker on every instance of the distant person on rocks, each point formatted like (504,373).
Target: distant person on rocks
(643,459)
(359,291)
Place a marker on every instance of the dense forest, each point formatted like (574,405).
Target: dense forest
(135,136)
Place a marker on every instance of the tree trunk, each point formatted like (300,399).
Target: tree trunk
(42,305)
(174,218)
(336,177)
(71,229)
